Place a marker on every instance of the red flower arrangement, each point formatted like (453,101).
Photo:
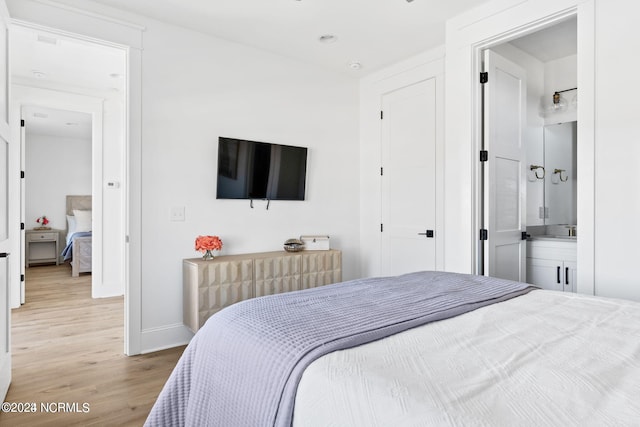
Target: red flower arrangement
(208,243)
(42,220)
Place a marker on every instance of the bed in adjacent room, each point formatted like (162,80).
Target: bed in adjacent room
(427,348)
(77,249)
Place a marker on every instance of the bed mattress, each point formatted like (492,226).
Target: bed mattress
(543,359)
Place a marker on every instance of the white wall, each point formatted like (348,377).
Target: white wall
(55,167)
(196,88)
(561,74)
(617,149)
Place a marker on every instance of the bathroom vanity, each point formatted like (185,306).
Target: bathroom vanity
(551,262)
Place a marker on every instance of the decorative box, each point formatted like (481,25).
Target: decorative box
(316,243)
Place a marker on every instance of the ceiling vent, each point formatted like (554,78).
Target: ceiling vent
(47,40)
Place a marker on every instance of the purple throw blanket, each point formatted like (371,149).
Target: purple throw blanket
(243,367)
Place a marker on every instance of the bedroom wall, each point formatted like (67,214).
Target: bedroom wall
(194,89)
(50,178)
(617,150)
(197,88)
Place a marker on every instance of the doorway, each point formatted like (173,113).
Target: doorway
(57,153)
(548,59)
(56,71)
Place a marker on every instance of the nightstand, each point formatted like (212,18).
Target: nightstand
(42,246)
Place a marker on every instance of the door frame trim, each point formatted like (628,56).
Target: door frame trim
(477,136)
(132,158)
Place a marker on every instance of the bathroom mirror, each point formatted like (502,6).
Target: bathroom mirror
(560,183)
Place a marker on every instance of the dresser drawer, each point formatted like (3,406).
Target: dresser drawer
(38,237)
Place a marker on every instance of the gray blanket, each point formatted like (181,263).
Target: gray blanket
(243,367)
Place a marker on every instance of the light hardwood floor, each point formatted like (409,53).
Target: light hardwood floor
(68,347)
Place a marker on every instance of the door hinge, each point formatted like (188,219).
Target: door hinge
(484,77)
(21,174)
(22,226)
(22,277)
(525,236)
(381,228)
(484,235)
(381,115)
(484,155)
(21,123)
(381,171)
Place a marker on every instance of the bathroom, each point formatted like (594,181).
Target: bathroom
(549,57)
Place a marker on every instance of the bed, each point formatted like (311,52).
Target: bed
(77,249)
(428,348)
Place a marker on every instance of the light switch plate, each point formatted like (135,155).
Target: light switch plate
(177,213)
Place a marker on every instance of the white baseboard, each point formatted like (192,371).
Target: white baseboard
(162,338)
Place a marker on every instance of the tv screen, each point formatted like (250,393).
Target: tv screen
(259,170)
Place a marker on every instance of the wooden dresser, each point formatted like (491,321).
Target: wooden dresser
(209,286)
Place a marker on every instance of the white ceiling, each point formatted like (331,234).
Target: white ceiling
(554,42)
(375,33)
(60,123)
(41,59)
(40,56)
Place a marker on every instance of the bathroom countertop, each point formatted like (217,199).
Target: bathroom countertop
(554,237)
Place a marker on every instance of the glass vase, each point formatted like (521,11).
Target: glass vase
(208,255)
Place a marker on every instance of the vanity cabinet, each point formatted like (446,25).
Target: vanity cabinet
(551,264)
(209,286)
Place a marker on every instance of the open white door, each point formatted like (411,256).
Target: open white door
(504,170)
(5,303)
(409,134)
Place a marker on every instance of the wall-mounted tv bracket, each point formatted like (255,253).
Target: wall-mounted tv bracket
(268,202)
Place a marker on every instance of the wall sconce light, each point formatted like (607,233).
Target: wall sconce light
(558,103)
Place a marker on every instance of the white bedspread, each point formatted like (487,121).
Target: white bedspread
(542,359)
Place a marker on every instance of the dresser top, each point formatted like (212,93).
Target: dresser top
(257,255)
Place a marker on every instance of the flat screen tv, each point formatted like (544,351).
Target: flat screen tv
(259,170)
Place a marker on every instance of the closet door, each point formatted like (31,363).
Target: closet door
(409,135)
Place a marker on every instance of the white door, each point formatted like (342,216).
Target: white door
(409,178)
(504,171)
(5,310)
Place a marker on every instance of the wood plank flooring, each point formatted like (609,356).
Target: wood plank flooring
(68,347)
